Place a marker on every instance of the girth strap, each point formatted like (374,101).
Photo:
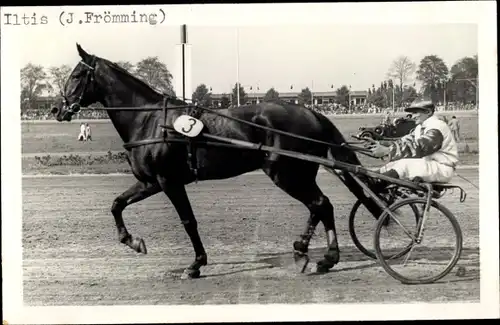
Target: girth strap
(192,149)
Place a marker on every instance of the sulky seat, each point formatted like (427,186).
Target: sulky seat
(440,188)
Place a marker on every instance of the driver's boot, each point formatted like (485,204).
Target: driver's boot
(380,184)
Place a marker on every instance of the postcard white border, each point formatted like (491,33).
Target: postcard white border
(481,13)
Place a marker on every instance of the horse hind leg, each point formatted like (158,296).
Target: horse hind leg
(320,209)
(137,192)
(300,183)
(324,210)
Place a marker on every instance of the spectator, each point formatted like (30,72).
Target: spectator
(455,128)
(81,136)
(386,120)
(88,132)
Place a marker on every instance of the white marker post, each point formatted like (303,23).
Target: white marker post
(182,78)
(238,66)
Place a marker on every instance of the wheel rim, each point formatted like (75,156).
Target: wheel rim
(361,232)
(444,253)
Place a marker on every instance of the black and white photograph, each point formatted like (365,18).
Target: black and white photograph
(249,162)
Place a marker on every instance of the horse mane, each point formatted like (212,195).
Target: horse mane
(141,83)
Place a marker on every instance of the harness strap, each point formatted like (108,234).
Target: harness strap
(192,149)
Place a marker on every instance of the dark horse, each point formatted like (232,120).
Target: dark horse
(165,167)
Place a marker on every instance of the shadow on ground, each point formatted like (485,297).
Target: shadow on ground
(349,254)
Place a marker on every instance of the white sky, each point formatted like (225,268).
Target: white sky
(273,55)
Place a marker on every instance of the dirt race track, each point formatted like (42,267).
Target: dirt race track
(72,255)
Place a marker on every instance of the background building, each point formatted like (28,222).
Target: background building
(320,98)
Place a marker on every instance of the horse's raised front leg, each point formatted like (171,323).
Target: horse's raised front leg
(177,194)
(137,192)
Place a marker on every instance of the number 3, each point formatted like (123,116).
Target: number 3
(188,125)
(193,122)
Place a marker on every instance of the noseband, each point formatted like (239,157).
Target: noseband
(75,107)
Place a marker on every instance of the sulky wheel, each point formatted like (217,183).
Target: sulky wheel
(429,258)
(362,224)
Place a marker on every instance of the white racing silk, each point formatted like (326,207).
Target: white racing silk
(429,152)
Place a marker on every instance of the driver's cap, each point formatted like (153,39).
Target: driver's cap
(421,106)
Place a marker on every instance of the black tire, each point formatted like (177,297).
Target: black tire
(357,243)
(366,134)
(456,229)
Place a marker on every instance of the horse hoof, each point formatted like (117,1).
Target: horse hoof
(190,274)
(301,261)
(320,268)
(142,247)
(300,247)
(139,245)
(324,265)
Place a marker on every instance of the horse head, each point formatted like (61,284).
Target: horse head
(81,88)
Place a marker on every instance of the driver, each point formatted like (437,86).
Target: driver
(428,152)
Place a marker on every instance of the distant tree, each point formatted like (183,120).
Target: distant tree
(33,82)
(127,65)
(243,95)
(304,97)
(464,76)
(382,96)
(432,71)
(202,96)
(409,94)
(155,73)
(59,75)
(25,103)
(377,98)
(271,94)
(343,96)
(401,70)
(225,101)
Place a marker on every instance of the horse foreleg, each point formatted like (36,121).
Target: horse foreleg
(178,196)
(137,192)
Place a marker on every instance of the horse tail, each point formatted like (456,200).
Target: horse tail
(343,154)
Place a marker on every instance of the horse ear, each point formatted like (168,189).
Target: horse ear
(84,55)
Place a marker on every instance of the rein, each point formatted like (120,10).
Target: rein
(76,107)
(347,145)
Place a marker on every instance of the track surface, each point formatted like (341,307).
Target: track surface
(72,256)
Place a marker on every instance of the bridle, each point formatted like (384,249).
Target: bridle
(76,106)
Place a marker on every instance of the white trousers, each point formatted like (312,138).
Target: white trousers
(428,170)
